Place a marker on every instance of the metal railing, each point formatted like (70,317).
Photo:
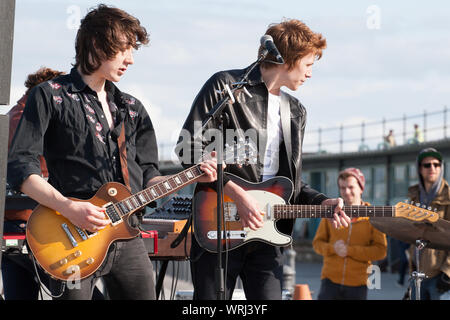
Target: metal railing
(371,135)
(363,136)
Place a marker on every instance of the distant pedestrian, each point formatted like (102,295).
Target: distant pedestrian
(418,136)
(390,139)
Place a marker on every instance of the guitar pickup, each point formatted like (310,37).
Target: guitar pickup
(230,212)
(234,234)
(112,213)
(69,235)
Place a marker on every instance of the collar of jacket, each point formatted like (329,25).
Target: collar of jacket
(255,77)
(443,195)
(78,84)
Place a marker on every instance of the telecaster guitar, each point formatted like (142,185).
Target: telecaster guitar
(272,196)
(68,252)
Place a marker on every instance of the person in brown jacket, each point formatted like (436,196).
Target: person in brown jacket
(348,251)
(432,191)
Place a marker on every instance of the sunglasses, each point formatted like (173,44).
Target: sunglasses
(428,165)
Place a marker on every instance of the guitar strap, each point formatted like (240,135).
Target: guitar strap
(126,176)
(285,115)
(123,156)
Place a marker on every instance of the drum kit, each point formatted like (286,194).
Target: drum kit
(433,235)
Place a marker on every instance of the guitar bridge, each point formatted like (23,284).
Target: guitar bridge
(233,234)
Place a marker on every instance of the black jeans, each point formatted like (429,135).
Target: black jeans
(332,291)
(127,272)
(258,264)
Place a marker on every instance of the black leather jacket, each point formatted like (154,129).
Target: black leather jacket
(250,113)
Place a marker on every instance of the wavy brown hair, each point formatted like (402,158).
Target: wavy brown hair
(294,40)
(41,75)
(103,32)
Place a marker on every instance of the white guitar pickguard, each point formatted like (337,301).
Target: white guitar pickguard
(268,232)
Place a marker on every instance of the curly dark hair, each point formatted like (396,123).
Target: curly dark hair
(43,74)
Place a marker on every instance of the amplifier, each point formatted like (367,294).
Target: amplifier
(14,243)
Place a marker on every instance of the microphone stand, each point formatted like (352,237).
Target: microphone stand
(216,114)
(417,275)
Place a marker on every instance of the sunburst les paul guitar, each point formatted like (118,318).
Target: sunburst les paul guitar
(67,252)
(272,196)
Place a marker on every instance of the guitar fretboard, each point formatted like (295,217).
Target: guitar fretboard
(282,211)
(152,193)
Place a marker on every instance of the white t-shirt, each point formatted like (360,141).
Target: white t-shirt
(274,138)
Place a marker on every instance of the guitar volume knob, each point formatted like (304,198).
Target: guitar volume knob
(90,260)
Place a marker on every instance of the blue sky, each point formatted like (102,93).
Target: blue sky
(384,58)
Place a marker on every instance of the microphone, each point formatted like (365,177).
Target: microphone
(267,42)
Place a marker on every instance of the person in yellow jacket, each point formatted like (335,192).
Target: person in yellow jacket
(348,251)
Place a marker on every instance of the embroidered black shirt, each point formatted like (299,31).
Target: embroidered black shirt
(64,120)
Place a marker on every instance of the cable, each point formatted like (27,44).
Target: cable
(226,250)
(175,276)
(41,285)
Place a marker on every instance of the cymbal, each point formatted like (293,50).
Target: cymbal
(437,234)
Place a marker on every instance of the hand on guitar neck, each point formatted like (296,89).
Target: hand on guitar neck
(209,167)
(340,219)
(251,216)
(84,214)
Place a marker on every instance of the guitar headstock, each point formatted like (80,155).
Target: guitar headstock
(415,212)
(242,152)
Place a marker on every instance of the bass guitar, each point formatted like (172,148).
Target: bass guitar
(272,196)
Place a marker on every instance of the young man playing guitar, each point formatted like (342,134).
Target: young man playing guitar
(77,122)
(279,122)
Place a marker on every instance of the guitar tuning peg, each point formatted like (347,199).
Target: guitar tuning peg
(429,208)
(435,209)
(424,206)
(417,204)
